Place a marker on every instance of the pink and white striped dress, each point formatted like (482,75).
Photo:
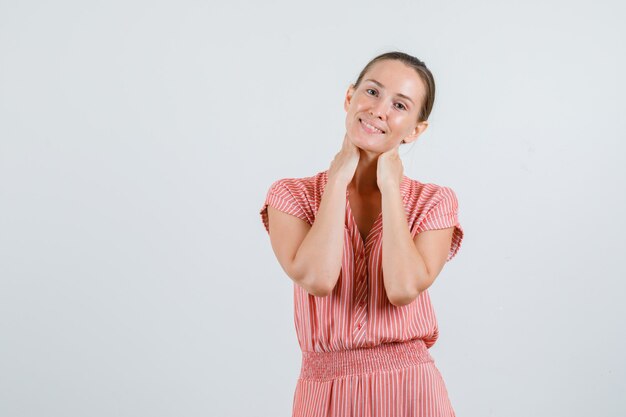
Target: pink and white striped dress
(361,355)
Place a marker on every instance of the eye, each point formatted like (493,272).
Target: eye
(403,106)
(370,89)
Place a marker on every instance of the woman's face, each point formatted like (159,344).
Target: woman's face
(389,98)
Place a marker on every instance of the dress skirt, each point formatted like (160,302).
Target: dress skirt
(389,380)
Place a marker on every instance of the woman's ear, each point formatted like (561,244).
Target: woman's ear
(349,95)
(418,130)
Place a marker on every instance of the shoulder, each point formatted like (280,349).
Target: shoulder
(299,187)
(427,194)
(434,206)
(296,196)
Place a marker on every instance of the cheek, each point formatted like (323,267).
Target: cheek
(351,121)
(404,124)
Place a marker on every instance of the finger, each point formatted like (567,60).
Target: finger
(346,142)
(351,144)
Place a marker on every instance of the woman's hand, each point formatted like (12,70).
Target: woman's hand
(389,171)
(343,166)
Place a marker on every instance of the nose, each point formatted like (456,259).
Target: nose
(379,109)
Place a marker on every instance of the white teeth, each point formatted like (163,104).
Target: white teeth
(372,127)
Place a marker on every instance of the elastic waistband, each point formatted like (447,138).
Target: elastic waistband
(383,357)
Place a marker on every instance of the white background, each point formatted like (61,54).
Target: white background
(138,141)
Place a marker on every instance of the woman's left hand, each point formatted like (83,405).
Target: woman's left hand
(389,171)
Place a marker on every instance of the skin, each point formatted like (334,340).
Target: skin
(368,166)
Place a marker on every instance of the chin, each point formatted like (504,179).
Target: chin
(367,144)
(365,141)
(369,147)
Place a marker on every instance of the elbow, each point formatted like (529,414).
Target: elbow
(314,282)
(402,298)
(316,285)
(406,294)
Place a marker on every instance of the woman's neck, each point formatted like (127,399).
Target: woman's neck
(364,180)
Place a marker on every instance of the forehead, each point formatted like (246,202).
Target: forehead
(398,78)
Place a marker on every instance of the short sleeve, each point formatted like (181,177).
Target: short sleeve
(284,195)
(443,214)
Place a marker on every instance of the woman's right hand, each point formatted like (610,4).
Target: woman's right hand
(343,166)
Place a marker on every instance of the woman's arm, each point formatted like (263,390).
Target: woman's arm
(409,266)
(311,255)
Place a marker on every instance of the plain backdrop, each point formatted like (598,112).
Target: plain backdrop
(138,141)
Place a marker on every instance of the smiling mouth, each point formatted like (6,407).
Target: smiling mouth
(371,129)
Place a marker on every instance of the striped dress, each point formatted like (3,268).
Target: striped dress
(361,355)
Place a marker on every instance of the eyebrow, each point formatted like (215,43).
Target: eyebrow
(382,86)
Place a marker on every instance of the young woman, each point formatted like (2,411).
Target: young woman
(362,243)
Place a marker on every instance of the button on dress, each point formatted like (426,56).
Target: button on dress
(362,355)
